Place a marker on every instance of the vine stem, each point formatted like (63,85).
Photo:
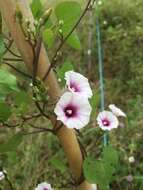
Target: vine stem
(53,61)
(17,70)
(66,136)
(7,179)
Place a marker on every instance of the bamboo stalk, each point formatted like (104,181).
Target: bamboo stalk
(66,136)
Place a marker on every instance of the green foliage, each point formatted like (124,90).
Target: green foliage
(22,101)
(2,46)
(101,171)
(94,102)
(36,7)
(40,91)
(5,111)
(110,155)
(66,66)
(74,41)
(8,83)
(58,163)
(122,35)
(48,37)
(11,144)
(69,13)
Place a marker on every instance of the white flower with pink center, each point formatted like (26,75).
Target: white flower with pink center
(116,111)
(44,186)
(2,175)
(78,84)
(107,120)
(74,111)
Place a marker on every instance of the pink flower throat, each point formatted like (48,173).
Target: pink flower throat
(74,87)
(70,110)
(106,122)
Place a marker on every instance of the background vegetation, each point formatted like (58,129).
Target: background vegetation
(39,157)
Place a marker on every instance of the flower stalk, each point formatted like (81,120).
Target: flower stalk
(66,136)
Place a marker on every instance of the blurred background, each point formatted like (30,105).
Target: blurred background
(40,156)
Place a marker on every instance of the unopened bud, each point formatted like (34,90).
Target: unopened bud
(131,159)
(89,52)
(60,31)
(35,22)
(18,13)
(45,17)
(59,80)
(61,22)
(129,178)
(27,21)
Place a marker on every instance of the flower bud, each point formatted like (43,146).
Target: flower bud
(61,22)
(45,17)
(18,13)
(131,159)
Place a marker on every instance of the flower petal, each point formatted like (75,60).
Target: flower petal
(78,84)
(110,118)
(116,111)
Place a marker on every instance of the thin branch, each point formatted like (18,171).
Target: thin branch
(17,70)
(8,125)
(40,109)
(12,59)
(8,180)
(36,57)
(39,131)
(42,128)
(53,61)
(29,117)
(8,46)
(10,51)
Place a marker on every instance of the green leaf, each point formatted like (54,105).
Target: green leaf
(98,172)
(67,66)
(74,41)
(22,100)
(69,13)
(8,83)
(12,157)
(58,164)
(48,37)
(110,155)
(5,111)
(89,169)
(36,7)
(94,101)
(11,144)
(2,46)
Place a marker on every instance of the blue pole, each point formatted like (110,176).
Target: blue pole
(101,78)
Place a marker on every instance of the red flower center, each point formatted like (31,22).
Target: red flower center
(106,122)
(70,110)
(74,87)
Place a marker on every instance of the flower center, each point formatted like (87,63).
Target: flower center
(74,87)
(106,122)
(45,188)
(70,110)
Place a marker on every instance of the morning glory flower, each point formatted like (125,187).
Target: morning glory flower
(2,176)
(44,186)
(94,187)
(73,110)
(116,111)
(107,120)
(78,84)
